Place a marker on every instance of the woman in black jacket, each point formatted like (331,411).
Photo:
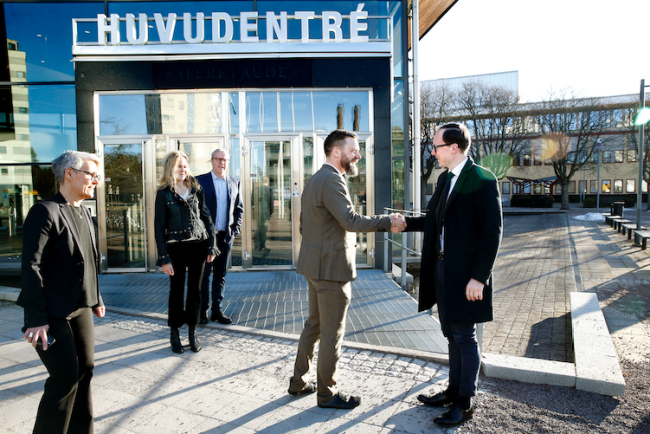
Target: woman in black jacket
(184,238)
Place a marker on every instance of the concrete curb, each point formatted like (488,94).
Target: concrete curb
(597,367)
(528,370)
(9,294)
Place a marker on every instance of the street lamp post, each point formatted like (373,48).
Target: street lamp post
(597,149)
(641,122)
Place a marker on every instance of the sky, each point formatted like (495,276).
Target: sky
(594,47)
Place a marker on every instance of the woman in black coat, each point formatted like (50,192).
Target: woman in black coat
(185,240)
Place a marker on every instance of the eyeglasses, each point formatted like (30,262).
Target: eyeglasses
(94,176)
(435,147)
(223,160)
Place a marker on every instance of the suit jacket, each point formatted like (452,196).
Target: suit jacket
(327,223)
(53,262)
(235,203)
(473,228)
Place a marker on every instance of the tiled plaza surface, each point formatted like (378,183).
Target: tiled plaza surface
(380,312)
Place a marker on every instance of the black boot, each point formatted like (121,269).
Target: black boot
(175,340)
(195,345)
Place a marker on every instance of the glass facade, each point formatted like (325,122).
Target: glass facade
(38,111)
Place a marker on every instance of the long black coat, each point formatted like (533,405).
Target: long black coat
(53,262)
(473,227)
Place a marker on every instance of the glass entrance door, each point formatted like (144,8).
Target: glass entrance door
(123,235)
(272,199)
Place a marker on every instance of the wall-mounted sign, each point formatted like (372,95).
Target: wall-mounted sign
(130,38)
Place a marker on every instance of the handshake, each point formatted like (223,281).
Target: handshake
(397,222)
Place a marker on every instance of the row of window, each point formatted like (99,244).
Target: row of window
(618,156)
(619,186)
(603,119)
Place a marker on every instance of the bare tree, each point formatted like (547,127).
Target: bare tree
(569,128)
(437,106)
(492,113)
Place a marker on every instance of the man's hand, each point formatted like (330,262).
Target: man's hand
(474,291)
(211,258)
(397,222)
(99,311)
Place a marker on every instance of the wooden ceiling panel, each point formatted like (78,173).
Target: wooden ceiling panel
(430,12)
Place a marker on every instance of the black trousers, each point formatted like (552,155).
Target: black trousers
(464,355)
(188,259)
(66,406)
(219,268)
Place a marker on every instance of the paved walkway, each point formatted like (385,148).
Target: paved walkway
(237,383)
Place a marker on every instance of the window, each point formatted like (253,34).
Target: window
(558,188)
(181,105)
(5,171)
(429,189)
(593,186)
(631,186)
(22,110)
(645,187)
(505,189)
(537,188)
(607,157)
(527,188)
(20,74)
(618,186)
(582,185)
(572,187)
(526,160)
(617,118)
(3,149)
(607,186)
(618,156)
(594,157)
(631,155)
(166,119)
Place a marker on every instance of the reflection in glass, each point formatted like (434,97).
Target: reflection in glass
(125,215)
(357,189)
(302,113)
(271,203)
(341,110)
(21,186)
(308,154)
(34,129)
(234,170)
(233,104)
(44,32)
(398,185)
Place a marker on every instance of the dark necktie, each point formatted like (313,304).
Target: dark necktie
(443,202)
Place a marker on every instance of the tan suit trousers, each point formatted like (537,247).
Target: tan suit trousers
(328,307)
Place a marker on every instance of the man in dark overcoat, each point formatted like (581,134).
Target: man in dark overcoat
(462,233)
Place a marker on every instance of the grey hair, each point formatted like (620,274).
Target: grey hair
(73,160)
(225,151)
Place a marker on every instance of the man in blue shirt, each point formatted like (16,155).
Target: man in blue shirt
(223,197)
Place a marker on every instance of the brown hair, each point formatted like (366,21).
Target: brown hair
(335,138)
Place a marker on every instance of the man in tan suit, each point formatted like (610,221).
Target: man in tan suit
(327,259)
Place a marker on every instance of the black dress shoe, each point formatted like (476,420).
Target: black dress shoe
(454,416)
(342,403)
(175,340)
(219,316)
(441,399)
(195,345)
(309,388)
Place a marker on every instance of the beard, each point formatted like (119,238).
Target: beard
(350,168)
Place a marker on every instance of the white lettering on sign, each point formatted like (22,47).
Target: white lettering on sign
(108,28)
